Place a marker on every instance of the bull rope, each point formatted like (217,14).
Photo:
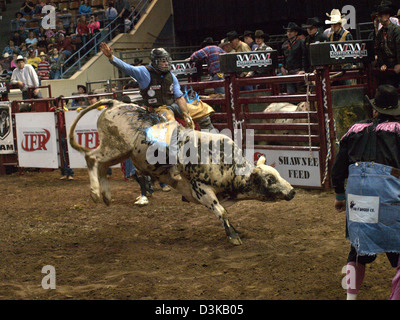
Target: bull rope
(328,141)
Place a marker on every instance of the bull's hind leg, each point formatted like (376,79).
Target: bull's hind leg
(206,196)
(92,164)
(104,184)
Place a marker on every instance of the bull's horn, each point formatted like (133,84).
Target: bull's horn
(261,161)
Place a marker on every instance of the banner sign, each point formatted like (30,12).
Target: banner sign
(85,134)
(238,62)
(297,167)
(341,52)
(184,68)
(37,140)
(6,129)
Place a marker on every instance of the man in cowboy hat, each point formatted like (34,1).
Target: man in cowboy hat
(337,21)
(236,43)
(315,35)
(210,53)
(369,158)
(294,51)
(25,77)
(387,47)
(43,67)
(248,38)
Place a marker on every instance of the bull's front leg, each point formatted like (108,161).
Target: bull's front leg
(206,196)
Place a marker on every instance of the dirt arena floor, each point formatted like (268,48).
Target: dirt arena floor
(170,249)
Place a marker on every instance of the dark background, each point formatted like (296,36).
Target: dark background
(194,20)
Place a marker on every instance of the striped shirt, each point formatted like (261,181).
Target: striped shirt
(211,54)
(43,70)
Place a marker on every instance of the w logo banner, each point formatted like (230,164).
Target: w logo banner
(348,50)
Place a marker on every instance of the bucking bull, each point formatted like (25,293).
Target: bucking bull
(124,131)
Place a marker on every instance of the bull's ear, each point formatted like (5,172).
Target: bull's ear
(255,176)
(261,161)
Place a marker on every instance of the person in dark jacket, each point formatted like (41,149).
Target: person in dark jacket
(388,48)
(295,58)
(315,35)
(369,158)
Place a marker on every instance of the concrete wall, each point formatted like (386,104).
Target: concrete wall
(99,68)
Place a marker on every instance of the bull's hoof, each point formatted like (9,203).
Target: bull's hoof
(95,197)
(236,241)
(107,201)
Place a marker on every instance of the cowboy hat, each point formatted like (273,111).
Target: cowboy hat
(293,26)
(232,35)
(247,33)
(207,42)
(312,22)
(42,54)
(21,58)
(6,55)
(82,86)
(386,100)
(336,17)
(224,42)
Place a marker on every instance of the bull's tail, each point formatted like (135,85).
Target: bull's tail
(72,140)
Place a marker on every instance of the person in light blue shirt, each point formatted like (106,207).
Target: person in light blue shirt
(85,8)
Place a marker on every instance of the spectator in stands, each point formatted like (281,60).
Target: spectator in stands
(388,48)
(65,46)
(24,76)
(42,43)
(49,33)
(295,59)
(71,30)
(123,9)
(17,39)
(39,6)
(135,15)
(5,62)
(225,45)
(82,29)
(56,61)
(111,13)
(27,8)
(18,21)
(315,35)
(236,43)
(260,37)
(59,29)
(43,69)
(337,21)
(24,51)
(210,53)
(13,63)
(248,38)
(65,18)
(11,48)
(31,38)
(93,25)
(23,33)
(33,59)
(85,8)
(80,101)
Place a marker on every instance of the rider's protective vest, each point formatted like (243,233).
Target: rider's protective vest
(160,90)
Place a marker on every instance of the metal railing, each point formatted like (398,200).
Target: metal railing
(90,48)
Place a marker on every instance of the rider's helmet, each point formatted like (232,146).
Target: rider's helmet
(158,55)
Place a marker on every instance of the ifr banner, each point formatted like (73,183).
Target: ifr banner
(85,134)
(37,140)
(6,129)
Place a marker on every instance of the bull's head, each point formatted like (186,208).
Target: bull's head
(268,185)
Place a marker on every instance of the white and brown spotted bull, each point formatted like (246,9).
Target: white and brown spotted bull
(124,132)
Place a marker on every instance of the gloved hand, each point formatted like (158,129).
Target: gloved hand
(189,121)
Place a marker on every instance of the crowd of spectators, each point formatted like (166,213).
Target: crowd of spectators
(73,29)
